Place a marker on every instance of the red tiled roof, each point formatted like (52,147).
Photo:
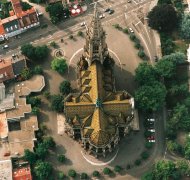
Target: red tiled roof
(2,31)
(16,6)
(22,174)
(24,13)
(6,70)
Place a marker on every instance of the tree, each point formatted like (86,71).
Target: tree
(148,145)
(26,74)
(41,52)
(34,101)
(150,97)
(107,171)
(59,65)
(164,169)
(180,118)
(57,103)
(144,155)
(30,156)
(141,54)
(165,68)
(49,142)
(43,170)
(187,148)
(183,167)
(61,158)
(72,173)
(25,6)
(35,110)
(65,87)
(96,174)
(162,18)
(38,70)
(41,151)
(53,44)
(80,33)
(83,176)
(138,162)
(164,2)
(176,58)
(145,74)
(61,176)
(117,168)
(28,50)
(147,176)
(185,26)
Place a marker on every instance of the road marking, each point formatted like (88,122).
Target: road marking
(137,23)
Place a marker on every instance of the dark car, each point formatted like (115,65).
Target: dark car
(107,10)
(111,11)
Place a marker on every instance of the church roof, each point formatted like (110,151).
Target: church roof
(98,108)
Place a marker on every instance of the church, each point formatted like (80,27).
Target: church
(98,115)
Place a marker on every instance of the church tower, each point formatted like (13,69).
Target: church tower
(95,47)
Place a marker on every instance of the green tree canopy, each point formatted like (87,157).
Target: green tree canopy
(106,170)
(163,18)
(41,151)
(61,158)
(59,65)
(30,156)
(165,68)
(41,52)
(72,173)
(145,74)
(65,87)
(176,58)
(49,142)
(34,101)
(185,26)
(43,170)
(183,167)
(147,176)
(164,169)
(26,74)
(38,70)
(28,50)
(150,97)
(57,103)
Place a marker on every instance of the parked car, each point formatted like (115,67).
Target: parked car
(5,46)
(152,141)
(102,16)
(107,10)
(131,30)
(151,130)
(111,11)
(151,120)
(82,24)
(151,138)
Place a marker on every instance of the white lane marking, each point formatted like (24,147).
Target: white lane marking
(137,23)
(99,164)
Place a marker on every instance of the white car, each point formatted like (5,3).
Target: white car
(151,120)
(152,141)
(131,30)
(151,130)
(82,24)
(5,46)
(102,16)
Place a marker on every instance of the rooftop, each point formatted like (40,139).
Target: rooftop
(23,173)
(3,126)
(6,170)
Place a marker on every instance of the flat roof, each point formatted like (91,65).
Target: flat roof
(6,170)
(3,126)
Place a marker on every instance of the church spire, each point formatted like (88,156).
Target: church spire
(95,47)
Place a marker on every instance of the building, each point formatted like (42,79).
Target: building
(18,21)
(23,173)
(6,170)
(98,115)
(12,67)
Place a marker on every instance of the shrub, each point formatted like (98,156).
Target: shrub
(137,45)
(132,37)
(96,174)
(61,158)
(35,110)
(61,176)
(59,65)
(47,94)
(144,155)
(147,134)
(107,171)
(26,74)
(80,33)
(83,176)
(128,166)
(38,70)
(65,87)
(117,168)
(148,145)
(72,173)
(53,44)
(141,54)
(71,37)
(126,31)
(49,142)
(138,162)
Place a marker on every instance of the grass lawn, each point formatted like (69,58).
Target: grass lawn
(3,1)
